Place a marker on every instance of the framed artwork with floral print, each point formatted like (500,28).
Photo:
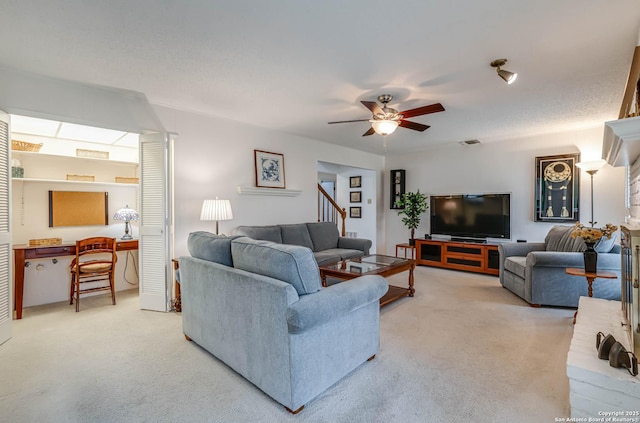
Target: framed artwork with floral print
(269,169)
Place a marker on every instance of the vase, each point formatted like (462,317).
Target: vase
(590,258)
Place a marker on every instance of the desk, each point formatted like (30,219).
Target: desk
(21,252)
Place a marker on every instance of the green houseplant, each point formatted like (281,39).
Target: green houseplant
(413,204)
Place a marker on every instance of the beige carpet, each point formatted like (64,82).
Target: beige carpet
(462,350)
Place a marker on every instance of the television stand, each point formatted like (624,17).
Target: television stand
(468,255)
(473,240)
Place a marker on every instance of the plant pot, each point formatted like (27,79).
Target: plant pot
(412,241)
(590,258)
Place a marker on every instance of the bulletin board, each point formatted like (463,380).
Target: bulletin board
(78,208)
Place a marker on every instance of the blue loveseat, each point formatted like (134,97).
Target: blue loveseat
(259,307)
(322,238)
(536,271)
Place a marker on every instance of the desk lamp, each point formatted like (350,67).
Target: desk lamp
(216,210)
(127,215)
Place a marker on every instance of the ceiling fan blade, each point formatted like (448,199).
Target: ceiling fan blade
(373,106)
(369,132)
(413,125)
(347,121)
(424,110)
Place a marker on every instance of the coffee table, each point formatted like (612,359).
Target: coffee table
(375,264)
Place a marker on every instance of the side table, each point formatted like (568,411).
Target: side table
(590,276)
(177,303)
(406,247)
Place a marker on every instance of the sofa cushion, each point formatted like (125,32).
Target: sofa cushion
(289,263)
(296,234)
(605,245)
(207,246)
(327,256)
(324,235)
(516,265)
(559,239)
(268,233)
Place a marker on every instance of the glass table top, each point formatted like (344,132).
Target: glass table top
(365,264)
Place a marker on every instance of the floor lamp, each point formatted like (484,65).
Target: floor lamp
(592,168)
(216,210)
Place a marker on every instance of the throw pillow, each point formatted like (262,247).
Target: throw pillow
(605,245)
(267,233)
(289,263)
(324,235)
(296,234)
(559,239)
(210,247)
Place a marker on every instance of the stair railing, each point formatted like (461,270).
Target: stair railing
(329,210)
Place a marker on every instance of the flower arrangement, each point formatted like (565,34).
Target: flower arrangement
(593,235)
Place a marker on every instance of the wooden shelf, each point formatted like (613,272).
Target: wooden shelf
(15,153)
(64,181)
(469,256)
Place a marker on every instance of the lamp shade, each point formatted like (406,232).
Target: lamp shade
(126,214)
(216,210)
(384,127)
(592,166)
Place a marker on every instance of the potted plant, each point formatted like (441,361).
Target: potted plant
(413,205)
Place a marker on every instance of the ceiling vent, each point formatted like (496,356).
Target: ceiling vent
(469,142)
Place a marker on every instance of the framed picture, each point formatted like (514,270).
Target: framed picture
(355,212)
(356,197)
(269,169)
(557,188)
(355,182)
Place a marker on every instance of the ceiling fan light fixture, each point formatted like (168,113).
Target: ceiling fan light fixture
(508,77)
(384,126)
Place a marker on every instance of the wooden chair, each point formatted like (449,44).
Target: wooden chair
(94,265)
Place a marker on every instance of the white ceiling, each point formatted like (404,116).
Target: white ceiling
(295,65)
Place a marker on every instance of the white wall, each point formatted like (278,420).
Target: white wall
(213,155)
(507,166)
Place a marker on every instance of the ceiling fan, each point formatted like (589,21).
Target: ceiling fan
(385,120)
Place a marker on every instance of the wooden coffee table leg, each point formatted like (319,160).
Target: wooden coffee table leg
(323,278)
(411,289)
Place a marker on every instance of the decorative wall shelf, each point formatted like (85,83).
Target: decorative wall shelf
(242,190)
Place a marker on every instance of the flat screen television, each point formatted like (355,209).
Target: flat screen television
(474,216)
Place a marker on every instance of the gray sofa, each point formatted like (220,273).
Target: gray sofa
(535,271)
(322,238)
(259,307)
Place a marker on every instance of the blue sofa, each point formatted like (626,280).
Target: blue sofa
(536,271)
(322,238)
(259,307)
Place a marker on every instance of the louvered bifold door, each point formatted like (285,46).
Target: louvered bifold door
(156,222)
(6,308)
